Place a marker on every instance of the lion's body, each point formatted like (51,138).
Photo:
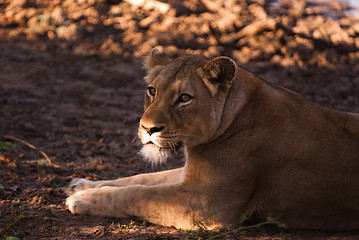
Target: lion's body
(252,150)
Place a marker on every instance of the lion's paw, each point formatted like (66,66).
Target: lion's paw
(80,203)
(79,184)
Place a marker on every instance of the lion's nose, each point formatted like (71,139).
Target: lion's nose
(152,130)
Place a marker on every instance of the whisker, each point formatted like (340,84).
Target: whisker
(172,146)
(184,134)
(137,141)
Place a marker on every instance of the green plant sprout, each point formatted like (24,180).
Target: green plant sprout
(6,146)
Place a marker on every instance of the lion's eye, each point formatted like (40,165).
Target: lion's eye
(151,91)
(184,98)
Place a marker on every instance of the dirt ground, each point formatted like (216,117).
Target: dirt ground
(71,89)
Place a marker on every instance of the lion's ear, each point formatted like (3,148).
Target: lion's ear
(218,75)
(155,58)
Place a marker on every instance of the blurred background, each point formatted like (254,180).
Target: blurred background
(247,30)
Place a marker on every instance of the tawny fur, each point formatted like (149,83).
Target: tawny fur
(252,149)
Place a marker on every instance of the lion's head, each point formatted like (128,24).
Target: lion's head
(183,102)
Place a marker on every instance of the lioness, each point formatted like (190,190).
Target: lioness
(252,149)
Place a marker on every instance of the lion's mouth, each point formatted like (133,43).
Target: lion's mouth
(173,147)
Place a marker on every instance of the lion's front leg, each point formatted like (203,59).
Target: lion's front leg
(165,205)
(79,184)
(156,178)
(95,201)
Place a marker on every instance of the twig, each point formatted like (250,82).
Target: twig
(340,47)
(253,29)
(29,145)
(215,34)
(11,225)
(268,222)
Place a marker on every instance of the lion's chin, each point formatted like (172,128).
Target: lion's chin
(154,154)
